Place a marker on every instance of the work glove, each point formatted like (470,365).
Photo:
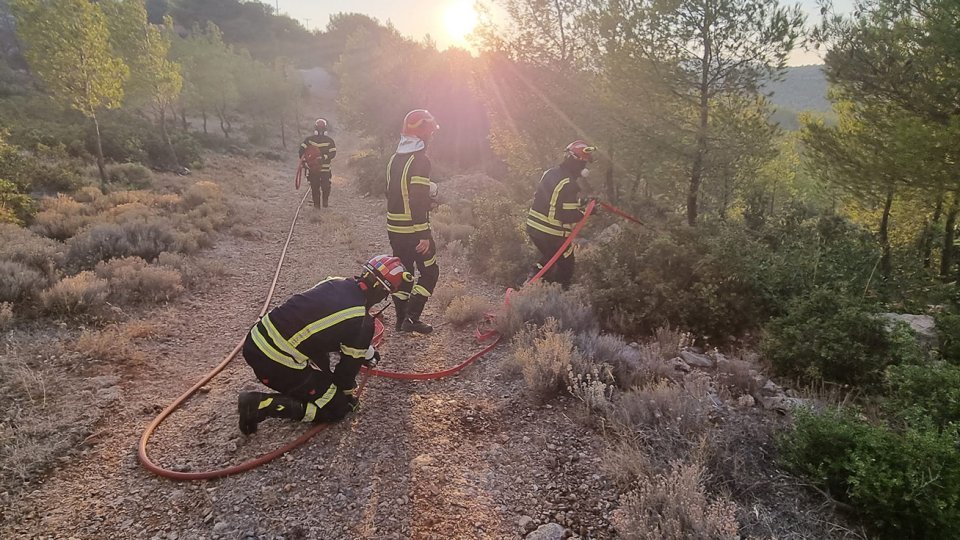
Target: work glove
(354,403)
(372,360)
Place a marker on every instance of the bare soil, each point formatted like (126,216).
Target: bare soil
(464,457)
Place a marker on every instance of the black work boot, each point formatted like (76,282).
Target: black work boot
(412,322)
(401,308)
(255,407)
(326,199)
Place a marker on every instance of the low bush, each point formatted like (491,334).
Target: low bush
(114,343)
(925,393)
(629,366)
(130,175)
(906,484)
(948,337)
(541,301)
(370,169)
(21,245)
(61,218)
(498,248)
(828,336)
(194,273)
(466,309)
(132,279)
(670,416)
(446,292)
(738,377)
(546,356)
(19,282)
(452,223)
(83,293)
(676,505)
(109,241)
(15,207)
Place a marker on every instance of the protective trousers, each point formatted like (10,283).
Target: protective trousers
(320,187)
(548,244)
(308,394)
(412,296)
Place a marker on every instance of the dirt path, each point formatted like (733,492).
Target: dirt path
(465,457)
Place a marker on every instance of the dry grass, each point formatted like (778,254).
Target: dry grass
(132,279)
(545,356)
(80,294)
(463,310)
(738,377)
(19,283)
(625,462)
(446,292)
(672,415)
(6,315)
(23,246)
(194,273)
(675,505)
(114,343)
(671,341)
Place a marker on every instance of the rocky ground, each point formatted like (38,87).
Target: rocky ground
(464,457)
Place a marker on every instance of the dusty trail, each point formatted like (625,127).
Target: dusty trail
(464,457)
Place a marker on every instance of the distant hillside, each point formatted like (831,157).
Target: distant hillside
(803,88)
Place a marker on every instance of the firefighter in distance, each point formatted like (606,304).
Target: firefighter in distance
(316,152)
(556,209)
(409,197)
(289,348)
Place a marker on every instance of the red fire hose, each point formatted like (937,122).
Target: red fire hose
(378,336)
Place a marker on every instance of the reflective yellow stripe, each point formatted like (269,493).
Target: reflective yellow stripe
(422,291)
(265,403)
(545,219)
(350,392)
(273,353)
(406,229)
(389,170)
(326,322)
(310,413)
(401,295)
(404,188)
(326,397)
(421,180)
(355,353)
(431,261)
(282,343)
(569,251)
(555,196)
(543,228)
(571,205)
(319,145)
(398,217)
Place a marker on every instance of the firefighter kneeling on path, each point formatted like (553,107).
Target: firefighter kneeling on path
(409,196)
(289,348)
(317,151)
(556,209)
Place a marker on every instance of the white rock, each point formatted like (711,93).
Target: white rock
(696,360)
(550,531)
(746,401)
(526,524)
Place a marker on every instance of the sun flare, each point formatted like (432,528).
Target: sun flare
(460,19)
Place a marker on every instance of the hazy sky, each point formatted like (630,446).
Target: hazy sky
(445,20)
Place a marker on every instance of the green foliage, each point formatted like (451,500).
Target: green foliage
(948,335)
(928,392)
(130,175)
(15,207)
(905,484)
(370,171)
(827,335)
(498,247)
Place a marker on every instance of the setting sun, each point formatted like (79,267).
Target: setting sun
(460,19)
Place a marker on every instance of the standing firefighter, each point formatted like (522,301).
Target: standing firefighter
(317,151)
(409,193)
(556,209)
(289,348)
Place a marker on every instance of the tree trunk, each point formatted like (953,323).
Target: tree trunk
(166,136)
(927,246)
(183,119)
(100,165)
(885,266)
(696,174)
(221,115)
(283,133)
(949,233)
(203,114)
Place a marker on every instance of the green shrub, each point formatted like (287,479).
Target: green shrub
(15,207)
(828,336)
(498,248)
(925,393)
(130,175)
(370,170)
(948,336)
(110,240)
(19,282)
(905,484)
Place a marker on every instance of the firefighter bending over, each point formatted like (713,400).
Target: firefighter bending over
(317,151)
(289,348)
(556,209)
(409,192)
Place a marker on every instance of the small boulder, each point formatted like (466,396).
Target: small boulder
(526,524)
(696,360)
(923,326)
(550,531)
